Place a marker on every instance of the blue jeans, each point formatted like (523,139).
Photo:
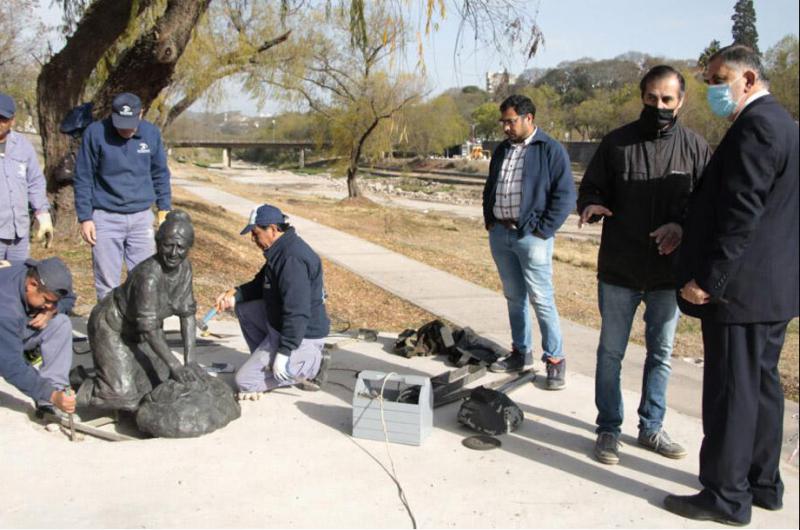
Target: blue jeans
(525,266)
(617,308)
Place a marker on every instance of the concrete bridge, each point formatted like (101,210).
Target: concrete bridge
(229,145)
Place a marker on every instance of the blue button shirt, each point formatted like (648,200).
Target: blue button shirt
(120,175)
(13,321)
(22,185)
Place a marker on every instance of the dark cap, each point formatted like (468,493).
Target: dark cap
(53,275)
(125,111)
(7,106)
(264,215)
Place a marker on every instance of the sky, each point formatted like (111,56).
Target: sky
(573,29)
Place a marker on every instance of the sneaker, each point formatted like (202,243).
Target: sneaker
(42,410)
(606,448)
(556,374)
(516,362)
(660,442)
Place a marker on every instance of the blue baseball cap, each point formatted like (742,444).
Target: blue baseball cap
(264,215)
(125,110)
(54,275)
(7,106)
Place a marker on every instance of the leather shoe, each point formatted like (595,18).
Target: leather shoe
(692,507)
(771,506)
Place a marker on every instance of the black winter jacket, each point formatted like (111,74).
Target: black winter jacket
(645,180)
(291,285)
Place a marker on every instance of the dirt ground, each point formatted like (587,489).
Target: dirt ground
(460,246)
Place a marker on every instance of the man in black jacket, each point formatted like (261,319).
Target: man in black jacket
(282,310)
(739,271)
(639,180)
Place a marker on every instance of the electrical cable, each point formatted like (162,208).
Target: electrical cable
(401,493)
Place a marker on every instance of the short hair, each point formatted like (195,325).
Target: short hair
(521,104)
(741,56)
(659,72)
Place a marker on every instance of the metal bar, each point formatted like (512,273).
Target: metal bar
(502,385)
(88,429)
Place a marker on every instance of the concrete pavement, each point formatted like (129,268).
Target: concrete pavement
(290,461)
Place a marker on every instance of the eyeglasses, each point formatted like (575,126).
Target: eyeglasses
(509,121)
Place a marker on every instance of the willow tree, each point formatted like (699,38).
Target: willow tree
(349,83)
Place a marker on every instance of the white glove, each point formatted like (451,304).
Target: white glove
(280,368)
(44,229)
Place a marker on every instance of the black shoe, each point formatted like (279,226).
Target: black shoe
(606,448)
(556,374)
(516,362)
(692,507)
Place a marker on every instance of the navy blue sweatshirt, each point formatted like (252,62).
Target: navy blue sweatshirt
(14,318)
(291,285)
(120,175)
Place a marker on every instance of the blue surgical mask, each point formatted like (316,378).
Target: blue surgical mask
(720,99)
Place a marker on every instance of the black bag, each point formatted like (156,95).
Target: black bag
(490,412)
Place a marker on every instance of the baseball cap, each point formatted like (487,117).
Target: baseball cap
(264,215)
(54,275)
(7,106)
(125,111)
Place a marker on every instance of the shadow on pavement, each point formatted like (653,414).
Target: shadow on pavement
(534,440)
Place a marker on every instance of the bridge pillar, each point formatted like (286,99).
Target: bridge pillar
(302,161)
(226,157)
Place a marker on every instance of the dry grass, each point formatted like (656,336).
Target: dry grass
(460,246)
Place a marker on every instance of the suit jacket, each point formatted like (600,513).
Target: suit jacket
(740,240)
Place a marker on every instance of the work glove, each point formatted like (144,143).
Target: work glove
(162,216)
(280,368)
(44,228)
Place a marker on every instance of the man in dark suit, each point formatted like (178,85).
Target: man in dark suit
(739,270)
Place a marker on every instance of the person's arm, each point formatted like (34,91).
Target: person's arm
(294,285)
(37,187)
(83,182)
(749,173)
(13,367)
(252,290)
(595,188)
(159,171)
(489,187)
(561,199)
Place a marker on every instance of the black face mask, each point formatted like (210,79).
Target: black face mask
(654,119)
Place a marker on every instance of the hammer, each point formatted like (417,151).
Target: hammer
(203,324)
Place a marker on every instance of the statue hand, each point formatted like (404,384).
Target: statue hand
(183,374)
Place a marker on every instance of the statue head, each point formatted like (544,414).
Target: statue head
(174,238)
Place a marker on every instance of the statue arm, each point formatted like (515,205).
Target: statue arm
(188,334)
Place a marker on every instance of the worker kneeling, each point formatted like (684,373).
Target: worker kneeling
(282,310)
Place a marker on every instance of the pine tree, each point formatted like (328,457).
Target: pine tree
(744,24)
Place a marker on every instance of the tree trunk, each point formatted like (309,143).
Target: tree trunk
(62,81)
(144,69)
(353,190)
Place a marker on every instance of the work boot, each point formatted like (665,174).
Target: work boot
(516,362)
(606,448)
(660,442)
(556,373)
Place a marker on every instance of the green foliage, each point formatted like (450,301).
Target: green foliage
(431,127)
(744,24)
(781,62)
(485,118)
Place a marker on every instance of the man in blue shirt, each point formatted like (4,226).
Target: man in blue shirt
(526,199)
(34,299)
(121,170)
(22,187)
(282,310)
